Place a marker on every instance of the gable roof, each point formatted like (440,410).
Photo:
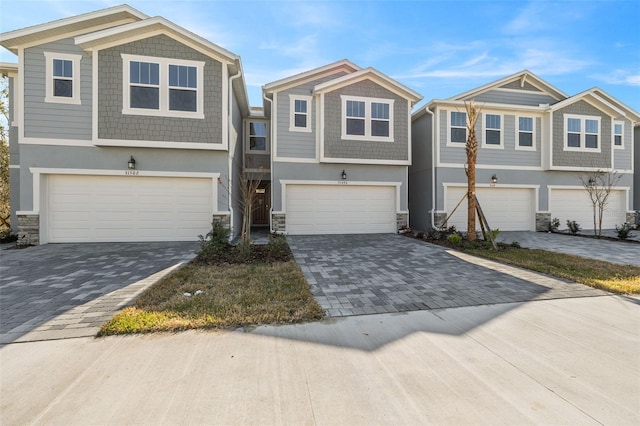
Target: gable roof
(300,78)
(8,68)
(373,75)
(103,18)
(523,76)
(603,100)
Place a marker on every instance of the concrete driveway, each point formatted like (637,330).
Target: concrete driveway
(385,273)
(58,291)
(625,253)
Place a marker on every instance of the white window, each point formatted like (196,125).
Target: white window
(458,127)
(367,119)
(492,131)
(526,133)
(63,78)
(258,137)
(582,133)
(300,116)
(618,132)
(162,87)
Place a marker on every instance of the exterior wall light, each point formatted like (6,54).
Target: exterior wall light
(344,175)
(132,163)
(494,179)
(591,182)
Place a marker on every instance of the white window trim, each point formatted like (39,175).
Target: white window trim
(583,133)
(292,115)
(163,111)
(533,134)
(613,135)
(248,149)
(367,119)
(75,59)
(450,126)
(484,131)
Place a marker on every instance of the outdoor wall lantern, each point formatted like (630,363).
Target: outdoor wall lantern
(344,175)
(591,182)
(494,179)
(132,163)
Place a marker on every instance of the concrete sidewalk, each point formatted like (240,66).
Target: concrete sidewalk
(565,361)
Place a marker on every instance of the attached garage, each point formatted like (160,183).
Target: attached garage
(506,208)
(575,204)
(89,208)
(340,209)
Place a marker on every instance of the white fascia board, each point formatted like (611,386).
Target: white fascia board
(537,82)
(489,106)
(8,69)
(313,74)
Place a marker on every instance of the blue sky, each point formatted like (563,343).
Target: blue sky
(437,48)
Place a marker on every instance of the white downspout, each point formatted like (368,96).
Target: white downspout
(264,96)
(433,165)
(231,152)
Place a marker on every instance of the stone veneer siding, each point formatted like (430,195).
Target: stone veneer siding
(439,219)
(224,219)
(28,229)
(279,222)
(543,221)
(112,124)
(336,147)
(633,217)
(402,220)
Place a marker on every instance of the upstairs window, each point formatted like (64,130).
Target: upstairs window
(582,133)
(525,133)
(458,128)
(162,87)
(492,131)
(258,136)
(300,107)
(63,78)
(618,131)
(367,119)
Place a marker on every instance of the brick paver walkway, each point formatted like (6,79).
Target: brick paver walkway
(383,273)
(59,291)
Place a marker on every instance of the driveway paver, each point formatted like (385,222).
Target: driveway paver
(59,291)
(625,253)
(385,273)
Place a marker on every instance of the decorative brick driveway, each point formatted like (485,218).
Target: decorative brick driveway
(385,273)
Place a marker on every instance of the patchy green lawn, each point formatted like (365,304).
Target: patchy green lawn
(624,279)
(232,295)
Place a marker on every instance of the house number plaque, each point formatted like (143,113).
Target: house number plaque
(132,172)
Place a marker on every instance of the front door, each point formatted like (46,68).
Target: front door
(260,211)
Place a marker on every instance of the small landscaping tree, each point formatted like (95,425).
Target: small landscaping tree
(5,207)
(598,185)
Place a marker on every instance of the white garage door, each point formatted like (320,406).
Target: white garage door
(326,209)
(508,209)
(121,208)
(575,204)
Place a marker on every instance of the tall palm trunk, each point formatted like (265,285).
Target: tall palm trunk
(472,153)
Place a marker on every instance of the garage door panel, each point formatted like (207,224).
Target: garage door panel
(507,209)
(330,209)
(116,208)
(575,204)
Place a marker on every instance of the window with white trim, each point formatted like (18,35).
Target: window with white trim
(492,131)
(300,116)
(618,132)
(258,136)
(526,137)
(458,127)
(63,78)
(367,119)
(582,133)
(162,87)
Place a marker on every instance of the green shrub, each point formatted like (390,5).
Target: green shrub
(455,239)
(624,231)
(494,234)
(574,227)
(515,244)
(277,246)
(554,225)
(216,241)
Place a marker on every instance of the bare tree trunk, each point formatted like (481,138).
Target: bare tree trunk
(472,153)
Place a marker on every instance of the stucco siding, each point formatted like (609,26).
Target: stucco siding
(55,120)
(297,144)
(237,149)
(420,173)
(112,124)
(562,158)
(336,147)
(636,168)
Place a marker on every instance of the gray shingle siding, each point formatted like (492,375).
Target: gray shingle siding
(112,124)
(336,147)
(515,98)
(517,85)
(622,159)
(297,144)
(562,158)
(55,120)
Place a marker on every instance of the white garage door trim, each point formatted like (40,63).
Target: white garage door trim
(619,196)
(40,176)
(395,186)
(528,222)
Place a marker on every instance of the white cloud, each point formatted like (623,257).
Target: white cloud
(620,77)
